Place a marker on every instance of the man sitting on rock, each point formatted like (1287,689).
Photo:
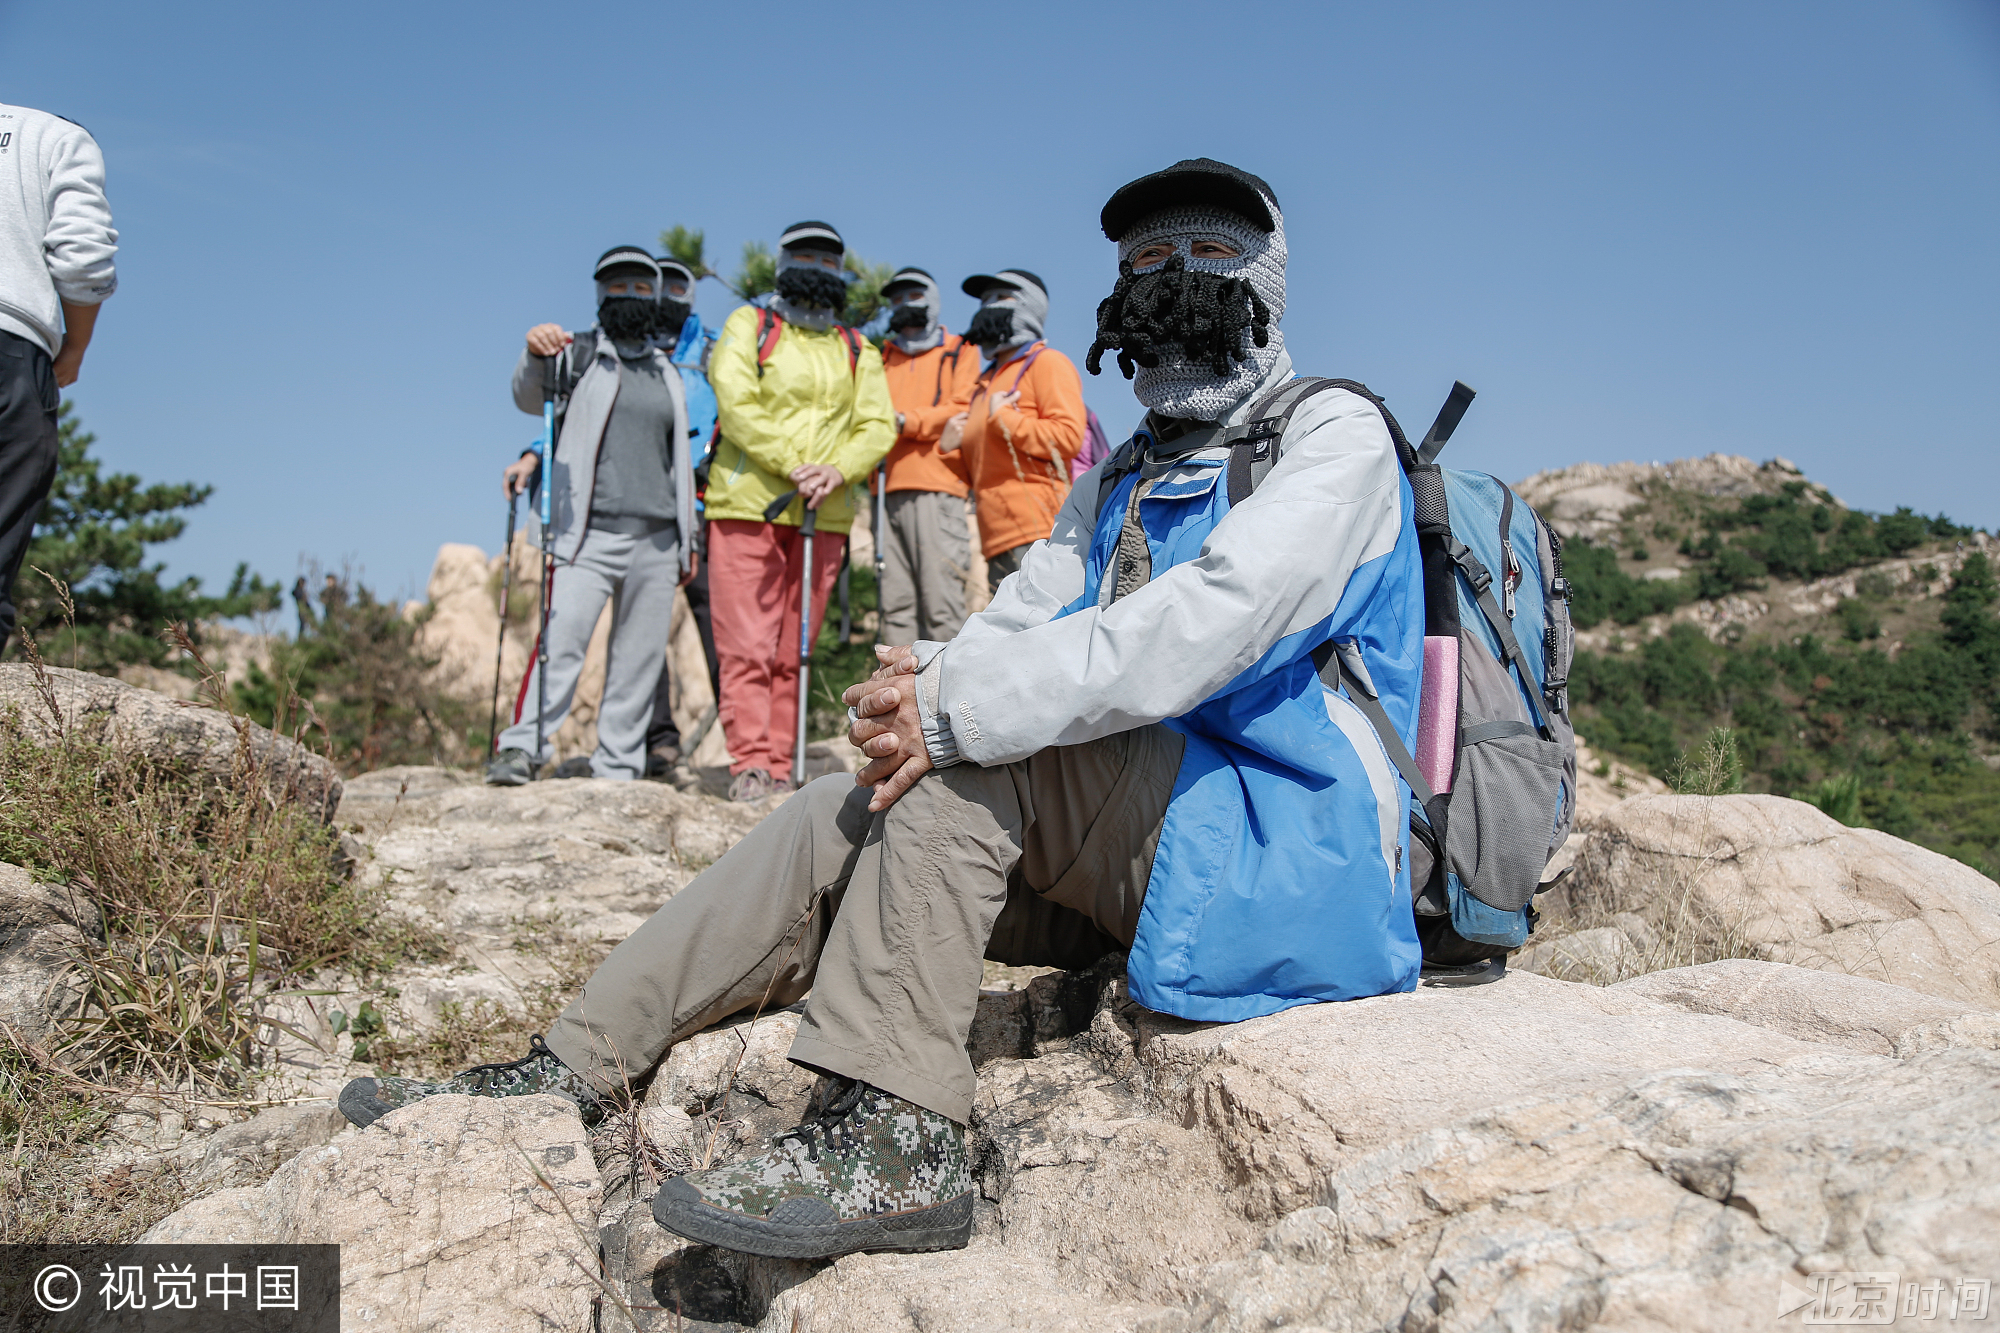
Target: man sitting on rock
(1131,748)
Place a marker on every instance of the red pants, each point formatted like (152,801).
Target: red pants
(754,571)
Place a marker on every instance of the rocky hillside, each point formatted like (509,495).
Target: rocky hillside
(1791,1073)
(1538,1154)
(1856,657)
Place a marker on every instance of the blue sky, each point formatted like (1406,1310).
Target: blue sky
(1640,231)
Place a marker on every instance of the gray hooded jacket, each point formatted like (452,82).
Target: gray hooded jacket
(580,433)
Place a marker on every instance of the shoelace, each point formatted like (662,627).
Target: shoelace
(832,1117)
(537,1050)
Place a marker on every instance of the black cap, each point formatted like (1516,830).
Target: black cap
(1199,182)
(911,276)
(979,284)
(669,265)
(624,256)
(812,236)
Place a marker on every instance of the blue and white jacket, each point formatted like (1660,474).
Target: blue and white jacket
(1282,872)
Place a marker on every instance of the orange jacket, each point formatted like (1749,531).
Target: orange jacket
(929,389)
(1019,456)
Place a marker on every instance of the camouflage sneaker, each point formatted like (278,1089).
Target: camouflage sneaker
(366,1100)
(869,1172)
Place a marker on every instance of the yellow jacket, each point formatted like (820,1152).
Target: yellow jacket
(807,407)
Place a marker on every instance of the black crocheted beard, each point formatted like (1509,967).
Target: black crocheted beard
(908,317)
(627,319)
(672,314)
(812,288)
(992,326)
(1203,314)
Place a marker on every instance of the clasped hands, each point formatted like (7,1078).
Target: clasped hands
(889,729)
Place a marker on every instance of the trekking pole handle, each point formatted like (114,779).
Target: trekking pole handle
(812,521)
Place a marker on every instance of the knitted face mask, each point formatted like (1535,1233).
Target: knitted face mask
(812,287)
(1151,315)
(992,326)
(1196,336)
(627,318)
(673,314)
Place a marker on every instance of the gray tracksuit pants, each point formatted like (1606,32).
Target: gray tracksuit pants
(884,918)
(638,575)
(925,558)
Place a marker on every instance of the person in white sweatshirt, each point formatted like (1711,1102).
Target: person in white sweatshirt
(56,249)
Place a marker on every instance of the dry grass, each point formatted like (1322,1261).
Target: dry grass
(214,901)
(1679,928)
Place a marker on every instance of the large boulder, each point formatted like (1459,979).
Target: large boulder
(458,1213)
(212,745)
(43,928)
(1777,879)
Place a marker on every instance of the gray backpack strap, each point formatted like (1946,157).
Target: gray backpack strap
(1254,446)
(1335,673)
(1481,580)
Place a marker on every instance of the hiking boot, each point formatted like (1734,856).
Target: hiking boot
(870,1171)
(753,784)
(576,767)
(366,1100)
(510,768)
(660,763)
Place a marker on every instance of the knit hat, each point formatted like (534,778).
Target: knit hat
(1201,199)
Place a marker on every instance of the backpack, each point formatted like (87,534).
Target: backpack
(1095,447)
(1494,777)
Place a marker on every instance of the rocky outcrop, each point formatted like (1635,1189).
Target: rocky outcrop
(218,749)
(1589,499)
(1777,879)
(458,1213)
(1528,1155)
(43,929)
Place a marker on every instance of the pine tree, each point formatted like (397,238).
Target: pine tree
(92,534)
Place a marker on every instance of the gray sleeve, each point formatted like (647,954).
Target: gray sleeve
(528,383)
(80,242)
(1276,564)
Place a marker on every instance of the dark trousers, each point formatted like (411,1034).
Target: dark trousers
(664,732)
(28,402)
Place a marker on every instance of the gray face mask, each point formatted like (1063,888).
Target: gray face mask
(1008,317)
(913,325)
(1174,323)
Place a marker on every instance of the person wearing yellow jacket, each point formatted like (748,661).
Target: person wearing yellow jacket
(804,407)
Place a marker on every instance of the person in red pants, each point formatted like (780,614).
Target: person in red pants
(804,410)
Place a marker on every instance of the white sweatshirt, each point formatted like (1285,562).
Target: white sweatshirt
(56,237)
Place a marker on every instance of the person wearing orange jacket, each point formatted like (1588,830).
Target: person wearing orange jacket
(1025,422)
(926,553)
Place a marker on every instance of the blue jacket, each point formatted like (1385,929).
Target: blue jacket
(1282,871)
(691,355)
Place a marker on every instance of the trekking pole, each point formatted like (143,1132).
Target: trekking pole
(881,536)
(548,452)
(772,512)
(846,617)
(500,649)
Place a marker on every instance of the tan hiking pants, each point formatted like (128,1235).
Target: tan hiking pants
(885,918)
(926,560)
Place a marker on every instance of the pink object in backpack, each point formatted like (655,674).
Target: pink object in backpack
(1095,447)
(1437,712)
